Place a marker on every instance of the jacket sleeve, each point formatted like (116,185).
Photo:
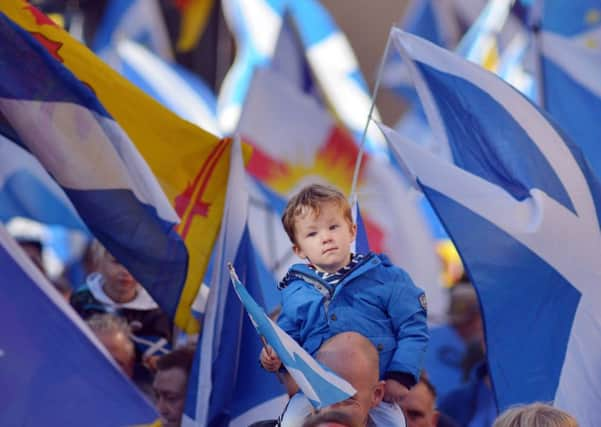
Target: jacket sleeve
(288,318)
(407,309)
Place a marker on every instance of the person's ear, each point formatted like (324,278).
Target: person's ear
(298,251)
(377,394)
(354,230)
(435,418)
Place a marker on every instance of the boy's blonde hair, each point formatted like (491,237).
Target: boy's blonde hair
(312,198)
(535,415)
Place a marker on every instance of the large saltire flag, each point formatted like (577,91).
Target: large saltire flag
(522,206)
(53,370)
(569,45)
(227,386)
(316,149)
(48,111)
(190,164)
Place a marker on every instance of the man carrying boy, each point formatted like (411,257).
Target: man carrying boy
(339,292)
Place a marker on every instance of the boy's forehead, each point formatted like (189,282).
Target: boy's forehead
(316,212)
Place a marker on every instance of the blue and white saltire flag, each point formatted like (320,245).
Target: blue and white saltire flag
(322,387)
(26,190)
(47,110)
(569,45)
(54,371)
(140,21)
(170,84)
(227,387)
(522,206)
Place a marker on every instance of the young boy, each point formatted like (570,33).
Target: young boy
(339,292)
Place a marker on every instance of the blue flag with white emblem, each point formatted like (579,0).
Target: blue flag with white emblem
(54,371)
(522,207)
(569,45)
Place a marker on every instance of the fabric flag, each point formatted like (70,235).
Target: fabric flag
(194,17)
(141,21)
(190,164)
(570,59)
(317,150)
(522,206)
(227,386)
(26,190)
(257,26)
(443,22)
(172,85)
(61,122)
(361,243)
(53,369)
(322,387)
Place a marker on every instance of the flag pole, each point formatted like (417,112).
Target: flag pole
(369,114)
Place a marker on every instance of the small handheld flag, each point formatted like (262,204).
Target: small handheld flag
(322,388)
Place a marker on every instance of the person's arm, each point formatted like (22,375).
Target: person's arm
(407,309)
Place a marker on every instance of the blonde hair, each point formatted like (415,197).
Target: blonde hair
(536,414)
(313,197)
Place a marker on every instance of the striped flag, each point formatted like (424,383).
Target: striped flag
(190,164)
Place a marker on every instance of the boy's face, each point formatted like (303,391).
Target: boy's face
(324,240)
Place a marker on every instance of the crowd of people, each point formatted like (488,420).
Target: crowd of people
(357,314)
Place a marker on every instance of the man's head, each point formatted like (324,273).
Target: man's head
(354,358)
(113,333)
(535,414)
(319,223)
(330,419)
(419,405)
(119,284)
(170,384)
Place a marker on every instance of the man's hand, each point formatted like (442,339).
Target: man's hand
(270,360)
(394,391)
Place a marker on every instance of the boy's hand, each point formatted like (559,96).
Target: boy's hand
(394,391)
(270,360)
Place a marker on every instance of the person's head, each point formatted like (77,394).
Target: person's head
(330,419)
(319,223)
(354,358)
(419,405)
(464,312)
(113,333)
(535,415)
(170,382)
(119,284)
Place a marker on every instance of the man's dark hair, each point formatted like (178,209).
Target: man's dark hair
(180,358)
(329,417)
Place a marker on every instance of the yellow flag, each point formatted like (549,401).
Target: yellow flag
(191,164)
(194,16)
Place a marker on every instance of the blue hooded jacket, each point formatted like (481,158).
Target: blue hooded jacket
(376,299)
